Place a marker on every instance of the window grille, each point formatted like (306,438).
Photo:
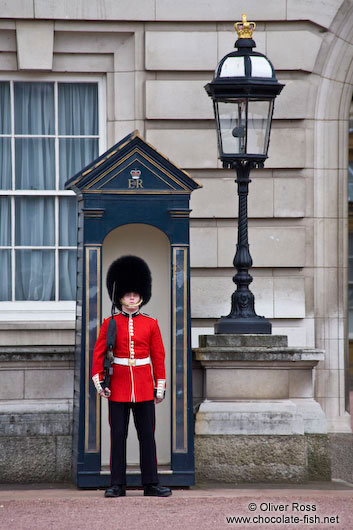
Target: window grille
(48,132)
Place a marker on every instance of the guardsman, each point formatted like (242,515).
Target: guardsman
(138,380)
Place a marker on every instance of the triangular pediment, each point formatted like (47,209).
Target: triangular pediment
(132,166)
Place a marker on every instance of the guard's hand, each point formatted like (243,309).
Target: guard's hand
(158,400)
(106,393)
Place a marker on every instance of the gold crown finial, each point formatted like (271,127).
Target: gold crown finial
(244,28)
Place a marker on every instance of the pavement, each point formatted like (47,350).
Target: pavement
(326,505)
(316,505)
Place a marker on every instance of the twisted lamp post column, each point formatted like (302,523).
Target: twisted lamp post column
(243,302)
(242,317)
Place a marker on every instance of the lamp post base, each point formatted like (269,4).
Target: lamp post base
(248,325)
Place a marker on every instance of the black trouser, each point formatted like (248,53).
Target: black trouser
(144,419)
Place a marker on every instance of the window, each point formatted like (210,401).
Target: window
(48,132)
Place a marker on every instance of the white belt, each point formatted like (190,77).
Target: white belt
(131,362)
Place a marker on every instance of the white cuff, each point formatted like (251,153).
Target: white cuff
(97,383)
(160,393)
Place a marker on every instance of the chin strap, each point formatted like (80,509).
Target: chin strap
(113,300)
(160,390)
(140,302)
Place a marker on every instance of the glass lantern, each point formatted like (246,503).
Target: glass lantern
(243,91)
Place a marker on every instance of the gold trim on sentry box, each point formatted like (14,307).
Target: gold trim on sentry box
(174,348)
(132,163)
(139,192)
(127,156)
(184,249)
(98,403)
(89,249)
(185,350)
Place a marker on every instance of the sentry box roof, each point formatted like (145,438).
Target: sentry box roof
(132,166)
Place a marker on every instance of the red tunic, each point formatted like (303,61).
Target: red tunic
(136,337)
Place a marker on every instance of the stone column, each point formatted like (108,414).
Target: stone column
(259,421)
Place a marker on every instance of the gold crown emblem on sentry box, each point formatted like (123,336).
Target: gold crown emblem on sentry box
(135,173)
(244,28)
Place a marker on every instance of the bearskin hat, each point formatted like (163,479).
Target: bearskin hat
(129,274)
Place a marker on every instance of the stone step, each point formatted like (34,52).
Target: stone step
(242,340)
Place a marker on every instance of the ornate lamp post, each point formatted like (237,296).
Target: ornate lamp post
(243,91)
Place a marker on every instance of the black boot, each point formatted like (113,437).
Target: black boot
(115,491)
(153,490)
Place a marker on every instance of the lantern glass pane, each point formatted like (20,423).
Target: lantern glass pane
(232,126)
(259,125)
(260,67)
(233,67)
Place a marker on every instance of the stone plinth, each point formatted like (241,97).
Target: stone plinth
(36,413)
(35,441)
(259,400)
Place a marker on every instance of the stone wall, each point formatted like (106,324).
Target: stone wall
(36,443)
(36,417)
(152,59)
(274,459)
